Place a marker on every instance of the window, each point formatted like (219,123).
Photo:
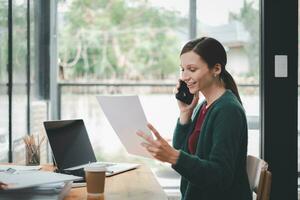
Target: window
(38,106)
(124,47)
(25,115)
(132,47)
(3,81)
(236,25)
(19,96)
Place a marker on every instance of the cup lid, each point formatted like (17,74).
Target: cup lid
(95,168)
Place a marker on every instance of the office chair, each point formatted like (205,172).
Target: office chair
(259,177)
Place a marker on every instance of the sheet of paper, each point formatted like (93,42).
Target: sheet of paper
(26,179)
(45,192)
(126,116)
(19,167)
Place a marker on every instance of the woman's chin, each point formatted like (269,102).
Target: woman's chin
(192,91)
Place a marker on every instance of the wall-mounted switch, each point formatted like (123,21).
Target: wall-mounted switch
(281,66)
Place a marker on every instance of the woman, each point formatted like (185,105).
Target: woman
(210,139)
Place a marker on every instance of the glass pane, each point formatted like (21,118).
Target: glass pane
(38,108)
(132,41)
(19,104)
(127,41)
(236,25)
(3,81)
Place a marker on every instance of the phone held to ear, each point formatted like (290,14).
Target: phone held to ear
(184,94)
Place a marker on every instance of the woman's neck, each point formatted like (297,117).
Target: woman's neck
(213,93)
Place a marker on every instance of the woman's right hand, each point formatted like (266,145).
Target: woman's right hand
(186,110)
(3,186)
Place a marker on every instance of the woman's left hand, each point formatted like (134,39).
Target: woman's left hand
(159,147)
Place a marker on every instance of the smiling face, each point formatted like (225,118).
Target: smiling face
(195,72)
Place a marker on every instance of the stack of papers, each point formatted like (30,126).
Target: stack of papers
(45,192)
(26,179)
(19,167)
(25,184)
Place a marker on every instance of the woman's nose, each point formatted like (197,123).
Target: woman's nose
(184,76)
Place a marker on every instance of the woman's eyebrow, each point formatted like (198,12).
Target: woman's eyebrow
(188,65)
(191,65)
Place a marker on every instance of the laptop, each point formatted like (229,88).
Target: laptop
(72,149)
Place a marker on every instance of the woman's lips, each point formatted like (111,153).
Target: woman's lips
(191,84)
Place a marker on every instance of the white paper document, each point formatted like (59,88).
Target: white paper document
(51,191)
(126,116)
(19,167)
(26,179)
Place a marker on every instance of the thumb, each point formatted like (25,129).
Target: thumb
(195,99)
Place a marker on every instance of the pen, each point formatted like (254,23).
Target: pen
(11,170)
(8,170)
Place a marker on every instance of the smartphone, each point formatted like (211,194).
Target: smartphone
(184,94)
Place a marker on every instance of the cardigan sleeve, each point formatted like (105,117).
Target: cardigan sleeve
(182,131)
(180,134)
(219,169)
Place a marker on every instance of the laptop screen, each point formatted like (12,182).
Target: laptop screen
(69,142)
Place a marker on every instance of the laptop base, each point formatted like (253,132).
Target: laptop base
(77,172)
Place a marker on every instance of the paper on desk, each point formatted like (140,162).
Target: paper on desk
(44,189)
(26,179)
(19,167)
(126,116)
(46,192)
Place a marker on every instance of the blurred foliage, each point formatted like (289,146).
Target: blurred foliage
(118,39)
(3,40)
(19,40)
(249,17)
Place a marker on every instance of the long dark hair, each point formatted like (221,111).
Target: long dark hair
(213,52)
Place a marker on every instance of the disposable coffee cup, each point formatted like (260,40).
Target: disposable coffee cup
(95,180)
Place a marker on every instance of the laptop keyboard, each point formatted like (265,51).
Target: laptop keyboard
(108,164)
(105,164)
(97,163)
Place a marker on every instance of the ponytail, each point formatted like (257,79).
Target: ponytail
(230,84)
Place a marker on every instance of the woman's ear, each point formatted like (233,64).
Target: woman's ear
(217,69)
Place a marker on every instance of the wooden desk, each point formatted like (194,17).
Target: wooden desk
(137,184)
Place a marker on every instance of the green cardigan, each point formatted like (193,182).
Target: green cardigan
(218,168)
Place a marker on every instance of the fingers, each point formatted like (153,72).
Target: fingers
(153,151)
(168,139)
(145,136)
(148,138)
(195,99)
(3,186)
(175,90)
(154,131)
(150,148)
(178,83)
(157,148)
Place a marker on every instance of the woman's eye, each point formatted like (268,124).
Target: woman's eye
(192,70)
